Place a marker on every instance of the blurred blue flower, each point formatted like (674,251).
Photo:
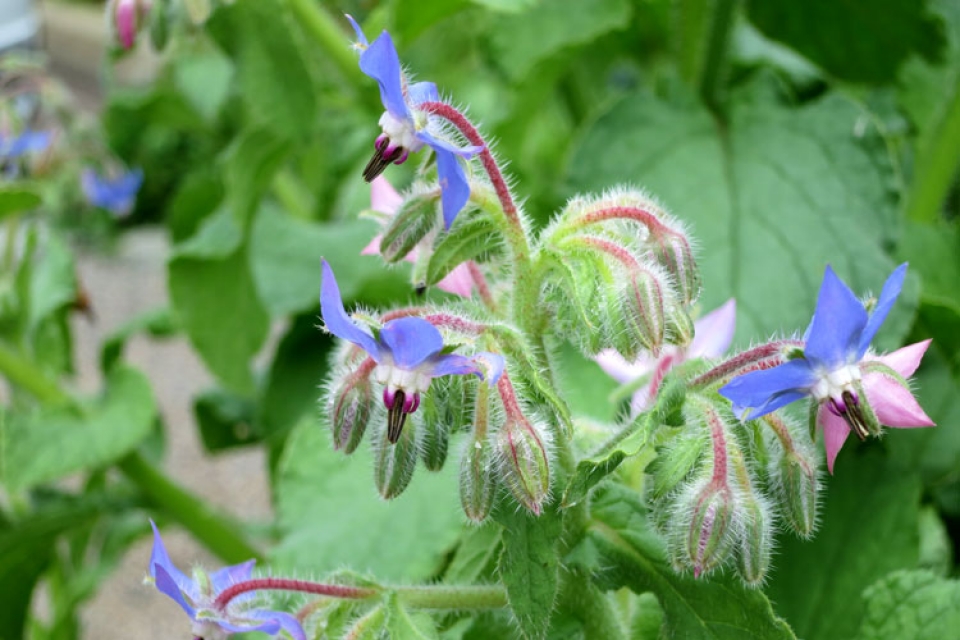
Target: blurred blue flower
(197,597)
(27,142)
(116,195)
(409,353)
(406,128)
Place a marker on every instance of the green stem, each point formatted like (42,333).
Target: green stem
(703,34)
(216,533)
(325,31)
(28,376)
(939,159)
(453,597)
(590,606)
(10,251)
(292,195)
(715,53)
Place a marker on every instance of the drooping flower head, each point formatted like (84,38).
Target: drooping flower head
(855,390)
(116,195)
(713,334)
(197,596)
(409,353)
(385,199)
(406,128)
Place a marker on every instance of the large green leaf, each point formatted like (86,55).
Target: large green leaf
(869,528)
(285,255)
(49,443)
(772,197)
(623,550)
(18,198)
(524,39)
(214,297)
(331,516)
(911,604)
(863,42)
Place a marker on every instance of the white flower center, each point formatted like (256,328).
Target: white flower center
(394,378)
(400,133)
(208,630)
(832,384)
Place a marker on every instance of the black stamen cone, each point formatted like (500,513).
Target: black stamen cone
(379,162)
(396,418)
(854,416)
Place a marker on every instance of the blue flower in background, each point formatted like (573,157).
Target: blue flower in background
(23,144)
(197,597)
(409,353)
(116,195)
(405,127)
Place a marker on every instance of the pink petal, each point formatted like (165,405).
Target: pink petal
(906,360)
(835,432)
(714,332)
(372,249)
(893,403)
(617,367)
(126,21)
(458,282)
(383,197)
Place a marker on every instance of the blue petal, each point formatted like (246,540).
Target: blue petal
(420,92)
(287,622)
(380,62)
(361,38)
(410,341)
(487,366)
(29,142)
(336,318)
(454,188)
(160,558)
(168,585)
(270,625)
(891,289)
(838,322)
(229,576)
(116,195)
(760,392)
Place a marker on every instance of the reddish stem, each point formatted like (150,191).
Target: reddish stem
(402,313)
(457,119)
(509,398)
(289,584)
(766,356)
(650,220)
(719,439)
(612,249)
(456,323)
(482,287)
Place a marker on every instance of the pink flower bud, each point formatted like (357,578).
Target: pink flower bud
(524,463)
(709,533)
(126,17)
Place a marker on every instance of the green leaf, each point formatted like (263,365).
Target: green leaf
(523,40)
(509,6)
(26,548)
(18,198)
(47,444)
(277,86)
(218,236)
(285,257)
(225,420)
(53,281)
(249,165)
(467,239)
(204,80)
(413,17)
(216,301)
(886,33)
(911,604)
(529,565)
(401,539)
(406,625)
(585,386)
(631,441)
(868,529)
(476,552)
(627,552)
(771,198)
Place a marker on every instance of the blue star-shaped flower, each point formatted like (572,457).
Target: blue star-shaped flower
(406,128)
(27,142)
(197,597)
(409,353)
(116,195)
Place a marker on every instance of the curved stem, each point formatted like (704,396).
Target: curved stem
(323,29)
(482,287)
(765,356)
(290,584)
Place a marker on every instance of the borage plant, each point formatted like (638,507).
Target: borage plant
(682,497)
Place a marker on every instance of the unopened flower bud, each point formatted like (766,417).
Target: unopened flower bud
(436,433)
(680,327)
(708,535)
(349,406)
(477,488)
(127,17)
(798,488)
(643,309)
(671,247)
(394,464)
(416,217)
(756,540)
(524,463)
